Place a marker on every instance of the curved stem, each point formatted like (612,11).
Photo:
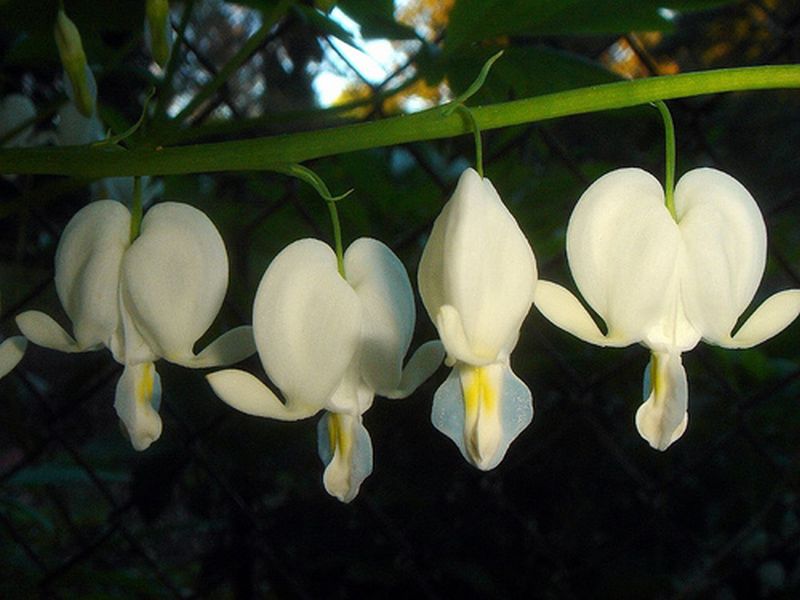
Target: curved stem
(316,182)
(136,208)
(337,236)
(476,132)
(669,140)
(276,152)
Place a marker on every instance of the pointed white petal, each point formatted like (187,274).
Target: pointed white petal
(136,402)
(726,247)
(622,246)
(306,322)
(88,261)
(420,367)
(345,448)
(174,278)
(451,331)
(478,261)
(43,331)
(663,416)
(11,352)
(248,394)
(564,310)
(231,347)
(482,410)
(774,315)
(388,314)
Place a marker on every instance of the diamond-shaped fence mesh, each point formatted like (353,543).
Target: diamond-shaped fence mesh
(226,505)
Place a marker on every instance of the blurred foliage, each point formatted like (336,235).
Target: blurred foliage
(230,506)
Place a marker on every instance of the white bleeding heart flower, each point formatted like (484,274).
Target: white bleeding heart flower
(331,343)
(477,278)
(144,300)
(664,282)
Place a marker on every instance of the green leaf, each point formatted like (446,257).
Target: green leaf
(376,18)
(477,20)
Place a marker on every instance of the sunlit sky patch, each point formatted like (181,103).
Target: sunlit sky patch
(373,59)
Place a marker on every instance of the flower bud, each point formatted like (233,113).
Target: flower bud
(157,30)
(73,58)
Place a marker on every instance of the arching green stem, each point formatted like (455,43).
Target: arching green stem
(476,85)
(669,138)
(316,182)
(121,137)
(476,132)
(136,208)
(276,152)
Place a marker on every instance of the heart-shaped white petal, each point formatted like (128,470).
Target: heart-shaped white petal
(478,262)
(174,278)
(622,246)
(725,243)
(87,270)
(381,283)
(307,323)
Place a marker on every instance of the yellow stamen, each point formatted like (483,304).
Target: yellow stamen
(339,438)
(144,387)
(480,411)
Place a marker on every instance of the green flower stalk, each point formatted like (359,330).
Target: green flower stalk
(73,58)
(157,29)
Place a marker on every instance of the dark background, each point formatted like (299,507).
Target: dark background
(230,506)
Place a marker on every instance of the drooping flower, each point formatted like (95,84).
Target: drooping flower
(143,300)
(477,278)
(667,282)
(331,343)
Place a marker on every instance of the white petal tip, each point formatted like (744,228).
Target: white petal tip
(649,423)
(11,352)
(136,403)
(345,449)
(492,415)
(246,393)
